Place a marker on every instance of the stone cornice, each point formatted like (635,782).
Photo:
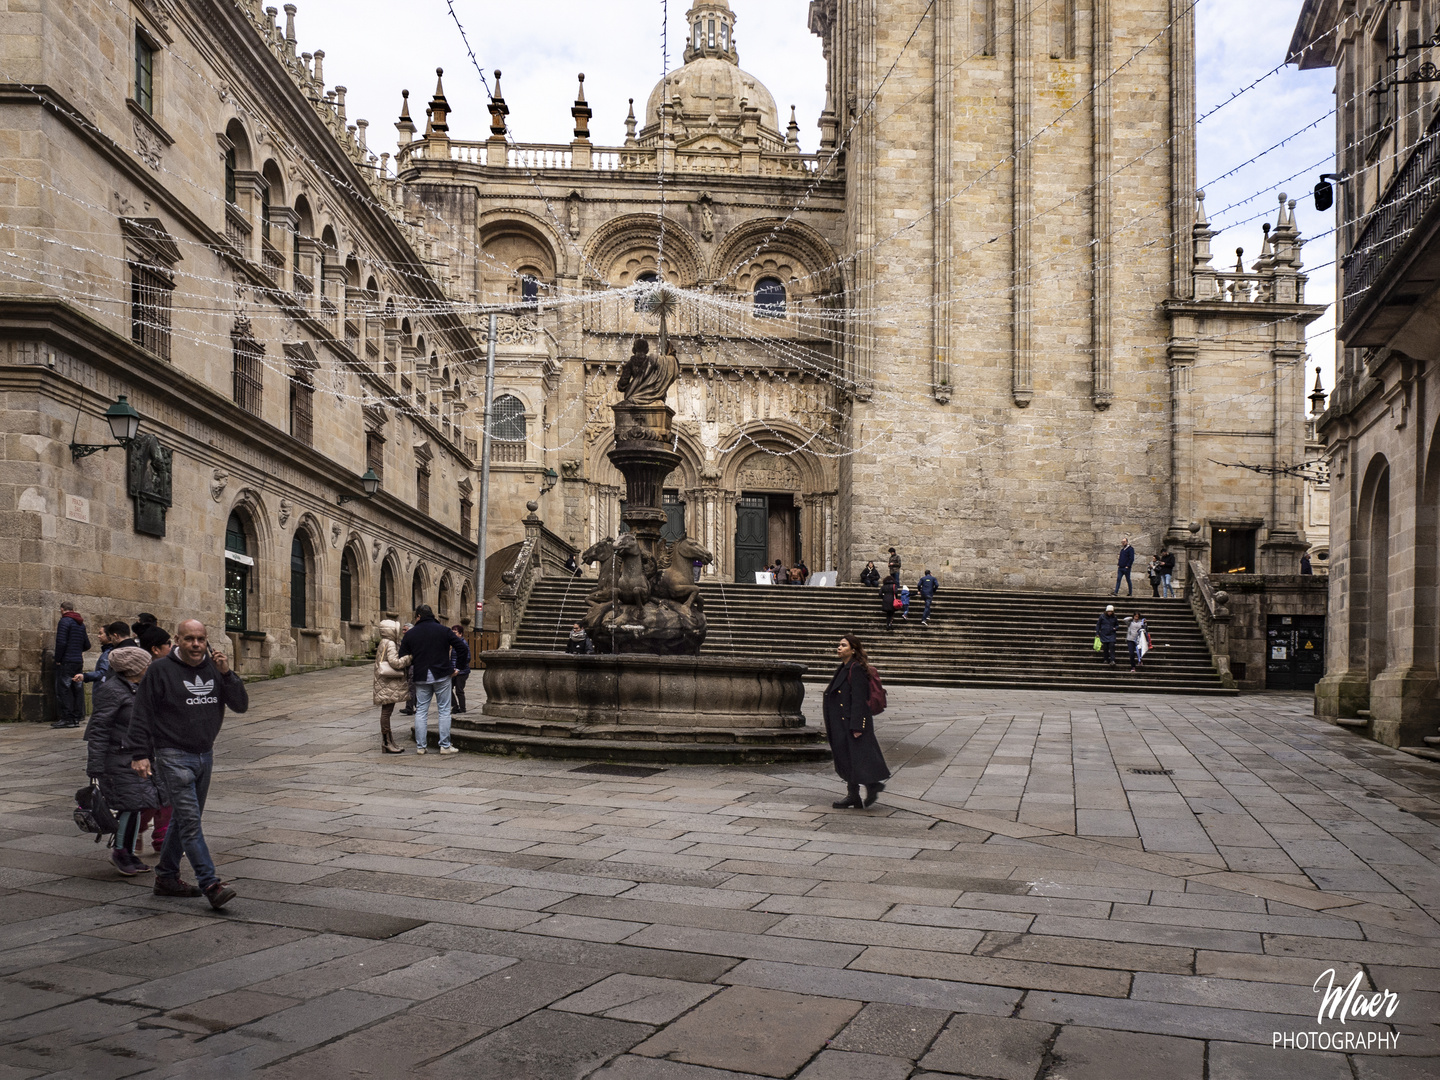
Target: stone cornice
(59,325)
(1267,312)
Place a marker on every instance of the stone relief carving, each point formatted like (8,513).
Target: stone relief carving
(284,512)
(767,472)
(218,480)
(513,330)
(335,535)
(571,470)
(572,211)
(150,471)
(147,145)
(375,551)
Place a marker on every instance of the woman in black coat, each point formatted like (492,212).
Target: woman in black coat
(888,592)
(851,728)
(125,791)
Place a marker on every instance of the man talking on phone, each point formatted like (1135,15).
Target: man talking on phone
(179,707)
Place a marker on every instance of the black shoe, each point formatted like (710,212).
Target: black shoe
(850,802)
(219,895)
(174,886)
(872,792)
(65,724)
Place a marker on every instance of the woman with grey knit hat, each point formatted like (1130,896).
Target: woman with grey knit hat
(125,791)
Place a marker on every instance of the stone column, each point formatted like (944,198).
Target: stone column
(1101,219)
(943,18)
(1022,386)
(1345,689)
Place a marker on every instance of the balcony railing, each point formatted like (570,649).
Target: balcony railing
(1410,195)
(538,157)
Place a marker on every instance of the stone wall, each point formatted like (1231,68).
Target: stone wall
(133,184)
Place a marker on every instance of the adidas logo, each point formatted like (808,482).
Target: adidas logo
(200,691)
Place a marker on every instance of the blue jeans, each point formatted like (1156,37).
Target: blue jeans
(184,780)
(1123,574)
(1166,590)
(925,615)
(440,691)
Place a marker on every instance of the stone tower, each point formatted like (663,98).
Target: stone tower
(1020,187)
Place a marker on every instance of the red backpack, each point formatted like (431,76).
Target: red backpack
(875,702)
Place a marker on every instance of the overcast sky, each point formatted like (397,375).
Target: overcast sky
(375,50)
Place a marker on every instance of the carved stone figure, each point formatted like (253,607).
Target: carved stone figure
(218,480)
(148,468)
(284,512)
(638,607)
(646,379)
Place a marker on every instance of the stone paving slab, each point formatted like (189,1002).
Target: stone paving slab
(1018,904)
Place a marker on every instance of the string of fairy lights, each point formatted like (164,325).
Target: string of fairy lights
(820,323)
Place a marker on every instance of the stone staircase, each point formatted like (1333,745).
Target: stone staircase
(1001,640)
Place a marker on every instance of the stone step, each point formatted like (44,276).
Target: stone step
(999,639)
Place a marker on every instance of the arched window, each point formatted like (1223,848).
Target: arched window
(238,564)
(643,302)
(507,428)
(769,298)
(347,586)
(442,601)
(299,582)
(529,289)
(387,589)
(417,589)
(231,192)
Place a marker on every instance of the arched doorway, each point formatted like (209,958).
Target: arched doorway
(302,608)
(387,590)
(239,572)
(767,514)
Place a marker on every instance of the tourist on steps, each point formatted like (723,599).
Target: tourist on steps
(1153,574)
(894,566)
(1137,641)
(1122,567)
(1167,571)
(927,586)
(904,601)
(870,575)
(392,680)
(1105,628)
(889,601)
(850,727)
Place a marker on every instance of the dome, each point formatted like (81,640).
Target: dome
(711,86)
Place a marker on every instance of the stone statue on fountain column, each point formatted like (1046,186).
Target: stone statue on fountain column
(646,379)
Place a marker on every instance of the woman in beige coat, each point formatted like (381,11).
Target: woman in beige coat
(391,683)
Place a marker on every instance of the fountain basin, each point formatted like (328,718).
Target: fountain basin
(637,707)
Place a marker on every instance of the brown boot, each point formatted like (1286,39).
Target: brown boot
(387,743)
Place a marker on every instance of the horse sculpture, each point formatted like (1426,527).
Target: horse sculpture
(631,584)
(602,552)
(676,582)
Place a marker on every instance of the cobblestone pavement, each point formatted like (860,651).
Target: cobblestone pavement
(1062,886)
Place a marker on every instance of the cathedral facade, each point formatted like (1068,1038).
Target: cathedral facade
(970,325)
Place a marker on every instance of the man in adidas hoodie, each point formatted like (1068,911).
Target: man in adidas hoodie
(178,710)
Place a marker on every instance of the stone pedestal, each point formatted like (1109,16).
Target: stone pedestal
(1344,693)
(635,707)
(644,456)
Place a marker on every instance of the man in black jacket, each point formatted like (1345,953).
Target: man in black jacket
(429,644)
(71,645)
(178,711)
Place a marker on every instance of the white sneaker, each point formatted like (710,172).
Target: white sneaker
(449,749)
(420,749)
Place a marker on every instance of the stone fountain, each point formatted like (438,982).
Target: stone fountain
(647,695)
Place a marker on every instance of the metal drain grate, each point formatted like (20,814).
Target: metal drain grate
(1152,772)
(617,770)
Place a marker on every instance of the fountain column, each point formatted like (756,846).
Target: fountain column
(644,455)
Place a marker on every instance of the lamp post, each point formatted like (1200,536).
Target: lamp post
(370,482)
(124,424)
(484,482)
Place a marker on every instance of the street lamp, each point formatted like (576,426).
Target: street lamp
(124,424)
(370,482)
